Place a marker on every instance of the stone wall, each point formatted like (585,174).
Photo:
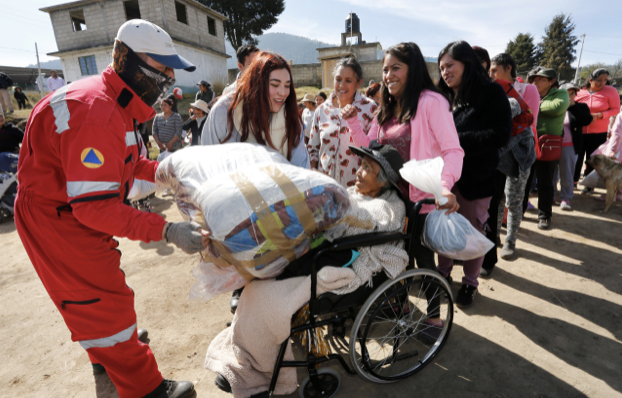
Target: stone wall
(196,32)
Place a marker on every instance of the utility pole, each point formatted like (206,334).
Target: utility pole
(576,75)
(39,78)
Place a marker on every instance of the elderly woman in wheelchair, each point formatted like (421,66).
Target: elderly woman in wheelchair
(357,284)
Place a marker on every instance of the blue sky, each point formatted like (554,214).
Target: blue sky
(430,24)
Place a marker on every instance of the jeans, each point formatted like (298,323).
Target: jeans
(544,173)
(591,142)
(514,193)
(565,172)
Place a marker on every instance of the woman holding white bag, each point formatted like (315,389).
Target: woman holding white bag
(415,118)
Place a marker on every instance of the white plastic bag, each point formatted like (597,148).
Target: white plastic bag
(260,210)
(425,175)
(593,180)
(141,189)
(453,236)
(213,280)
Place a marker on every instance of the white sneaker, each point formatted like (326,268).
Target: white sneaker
(565,206)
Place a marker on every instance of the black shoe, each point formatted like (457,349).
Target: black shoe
(172,389)
(587,191)
(449,279)
(466,296)
(143,334)
(98,369)
(544,223)
(235,298)
(222,383)
(486,271)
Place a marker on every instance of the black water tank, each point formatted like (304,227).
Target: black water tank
(354,20)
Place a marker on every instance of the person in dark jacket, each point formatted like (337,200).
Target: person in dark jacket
(10,136)
(205,92)
(483,120)
(20,97)
(194,124)
(577,116)
(5,98)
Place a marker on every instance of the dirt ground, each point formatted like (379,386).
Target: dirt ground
(548,324)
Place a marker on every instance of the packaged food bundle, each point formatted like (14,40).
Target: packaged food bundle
(261,211)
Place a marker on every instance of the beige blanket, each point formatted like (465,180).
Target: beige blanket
(246,352)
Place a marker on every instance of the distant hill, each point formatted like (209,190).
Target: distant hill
(52,64)
(300,49)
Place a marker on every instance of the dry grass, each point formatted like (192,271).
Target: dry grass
(219,83)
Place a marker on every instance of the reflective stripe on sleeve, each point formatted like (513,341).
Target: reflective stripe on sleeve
(120,337)
(60,109)
(77,188)
(130,138)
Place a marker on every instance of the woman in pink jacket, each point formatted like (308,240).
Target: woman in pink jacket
(415,118)
(604,102)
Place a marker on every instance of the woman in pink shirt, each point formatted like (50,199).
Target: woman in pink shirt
(415,118)
(604,102)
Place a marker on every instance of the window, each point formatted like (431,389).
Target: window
(211,26)
(88,65)
(78,22)
(132,11)
(180,9)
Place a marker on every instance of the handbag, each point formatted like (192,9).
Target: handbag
(549,147)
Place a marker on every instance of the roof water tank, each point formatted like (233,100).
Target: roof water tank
(353,21)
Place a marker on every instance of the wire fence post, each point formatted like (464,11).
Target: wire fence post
(576,75)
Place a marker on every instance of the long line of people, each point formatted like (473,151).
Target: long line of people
(486,124)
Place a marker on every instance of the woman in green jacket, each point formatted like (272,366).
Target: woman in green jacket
(553,105)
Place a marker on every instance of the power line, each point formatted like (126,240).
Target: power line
(21,19)
(29,14)
(18,49)
(600,52)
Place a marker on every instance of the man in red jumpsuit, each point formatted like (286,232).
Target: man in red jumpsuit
(77,164)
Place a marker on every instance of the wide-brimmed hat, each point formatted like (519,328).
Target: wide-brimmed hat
(569,86)
(308,98)
(200,104)
(543,72)
(386,156)
(203,83)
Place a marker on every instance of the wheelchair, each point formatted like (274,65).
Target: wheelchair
(386,322)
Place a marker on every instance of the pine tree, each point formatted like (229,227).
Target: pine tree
(247,18)
(558,46)
(523,50)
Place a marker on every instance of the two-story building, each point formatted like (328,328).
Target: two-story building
(85,31)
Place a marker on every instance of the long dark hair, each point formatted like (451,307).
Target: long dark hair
(253,88)
(418,80)
(474,76)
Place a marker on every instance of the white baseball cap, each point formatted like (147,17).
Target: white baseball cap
(144,37)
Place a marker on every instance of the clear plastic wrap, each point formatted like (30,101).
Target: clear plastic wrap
(213,280)
(451,235)
(425,175)
(260,210)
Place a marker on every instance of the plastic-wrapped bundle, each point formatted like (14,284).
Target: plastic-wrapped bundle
(260,210)
(451,235)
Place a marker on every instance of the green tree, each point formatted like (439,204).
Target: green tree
(523,50)
(246,18)
(558,46)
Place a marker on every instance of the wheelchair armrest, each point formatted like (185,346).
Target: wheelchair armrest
(370,239)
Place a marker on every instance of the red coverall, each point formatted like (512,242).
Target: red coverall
(77,164)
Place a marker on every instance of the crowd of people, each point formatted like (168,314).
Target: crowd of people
(497,137)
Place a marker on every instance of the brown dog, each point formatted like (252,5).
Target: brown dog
(611,173)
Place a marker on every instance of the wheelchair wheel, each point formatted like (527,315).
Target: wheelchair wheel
(390,339)
(329,384)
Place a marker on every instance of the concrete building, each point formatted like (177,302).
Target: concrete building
(85,31)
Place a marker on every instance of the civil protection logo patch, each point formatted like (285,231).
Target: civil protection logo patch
(92,158)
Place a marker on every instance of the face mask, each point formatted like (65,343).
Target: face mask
(149,83)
